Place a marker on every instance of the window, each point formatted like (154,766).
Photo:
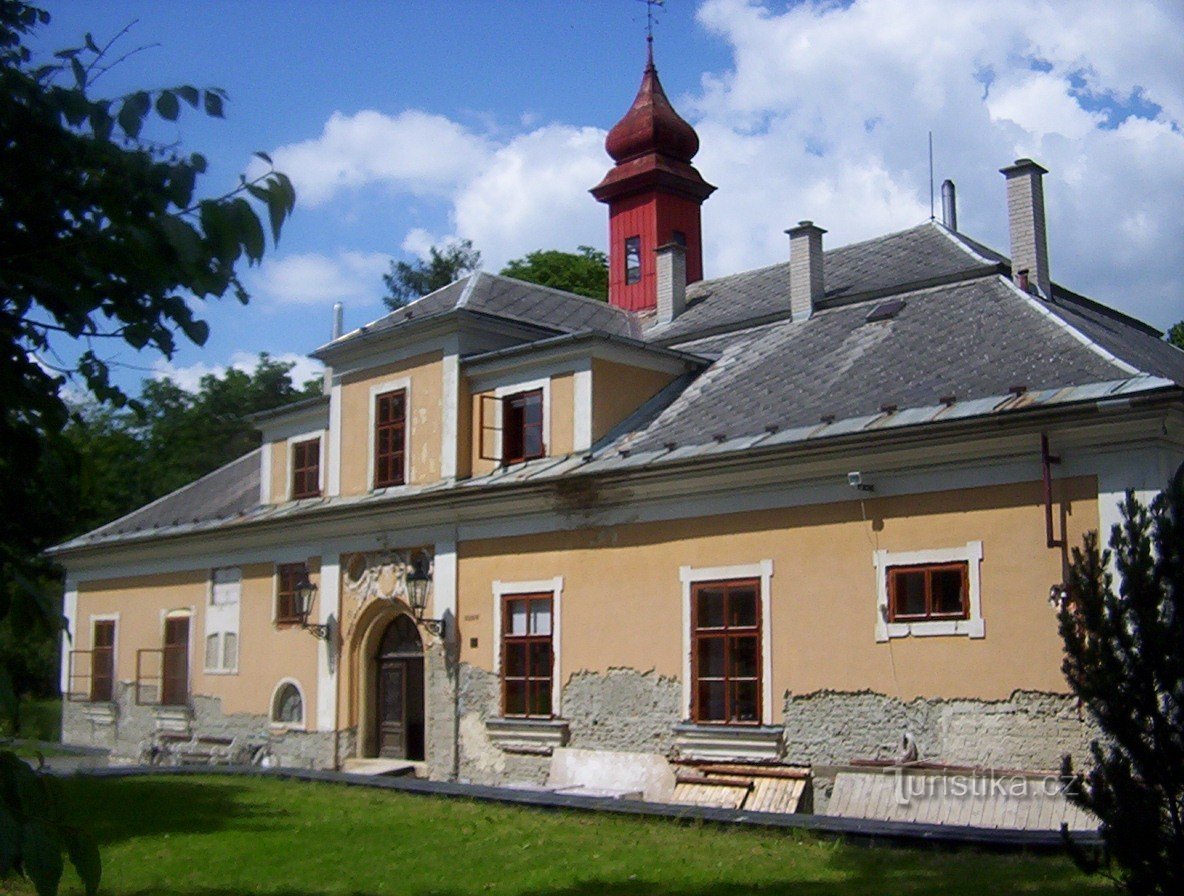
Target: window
(726,651)
(679,238)
(102,661)
(522,426)
(633,259)
(929,592)
(527,657)
(174,686)
(390,433)
(306,469)
(222,620)
(286,603)
(287,706)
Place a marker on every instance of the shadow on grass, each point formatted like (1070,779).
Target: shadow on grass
(134,807)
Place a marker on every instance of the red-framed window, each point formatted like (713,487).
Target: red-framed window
(522,426)
(527,655)
(306,469)
(929,591)
(726,652)
(390,438)
(286,603)
(102,661)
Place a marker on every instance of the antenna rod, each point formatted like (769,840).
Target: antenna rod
(931,175)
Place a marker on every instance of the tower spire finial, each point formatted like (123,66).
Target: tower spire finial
(650,5)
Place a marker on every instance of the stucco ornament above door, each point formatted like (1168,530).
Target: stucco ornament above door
(382,575)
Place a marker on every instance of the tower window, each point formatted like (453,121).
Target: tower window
(633,259)
(679,238)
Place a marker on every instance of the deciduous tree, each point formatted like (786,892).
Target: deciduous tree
(584,272)
(105,239)
(407,281)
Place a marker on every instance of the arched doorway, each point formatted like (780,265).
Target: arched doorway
(398,692)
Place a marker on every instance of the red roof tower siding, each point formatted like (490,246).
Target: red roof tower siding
(653,193)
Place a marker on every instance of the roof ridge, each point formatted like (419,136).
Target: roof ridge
(467,292)
(963,243)
(602,303)
(1077,334)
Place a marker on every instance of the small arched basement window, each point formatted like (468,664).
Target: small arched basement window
(287,706)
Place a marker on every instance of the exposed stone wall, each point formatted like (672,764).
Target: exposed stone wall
(127,730)
(622,710)
(1029,730)
(440,710)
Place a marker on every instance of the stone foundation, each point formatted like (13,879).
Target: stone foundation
(128,730)
(1029,730)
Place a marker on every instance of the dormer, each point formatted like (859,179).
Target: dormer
(560,396)
(294,454)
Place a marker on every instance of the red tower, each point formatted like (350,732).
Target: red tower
(653,194)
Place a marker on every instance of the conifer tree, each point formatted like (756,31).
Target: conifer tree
(1124,659)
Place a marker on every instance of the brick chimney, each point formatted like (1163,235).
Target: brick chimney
(805,269)
(672,281)
(1025,219)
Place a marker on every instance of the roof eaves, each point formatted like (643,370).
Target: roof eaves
(295,407)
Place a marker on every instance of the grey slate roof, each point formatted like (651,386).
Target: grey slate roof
(964,331)
(226,493)
(967,340)
(507,298)
(919,256)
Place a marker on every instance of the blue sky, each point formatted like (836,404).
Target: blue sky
(407,123)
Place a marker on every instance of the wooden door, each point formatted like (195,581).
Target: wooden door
(175,663)
(102,661)
(392,708)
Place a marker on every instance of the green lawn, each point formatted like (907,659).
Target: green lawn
(219,836)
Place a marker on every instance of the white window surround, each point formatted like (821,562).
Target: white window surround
(302,724)
(377,389)
(539,586)
(319,435)
(223,601)
(763,570)
(971,554)
(265,473)
(544,385)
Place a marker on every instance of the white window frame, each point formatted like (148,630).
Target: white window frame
(302,725)
(970,553)
(504,391)
(221,619)
(289,469)
(763,570)
(377,389)
(537,586)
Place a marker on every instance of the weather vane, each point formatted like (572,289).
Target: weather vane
(650,5)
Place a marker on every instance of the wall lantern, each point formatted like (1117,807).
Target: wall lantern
(305,591)
(418,580)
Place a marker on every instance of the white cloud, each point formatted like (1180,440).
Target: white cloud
(189,376)
(315,279)
(414,151)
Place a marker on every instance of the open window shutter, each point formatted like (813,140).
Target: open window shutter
(491,427)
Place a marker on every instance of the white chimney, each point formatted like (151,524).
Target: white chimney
(338,309)
(672,281)
(805,269)
(1025,219)
(949,205)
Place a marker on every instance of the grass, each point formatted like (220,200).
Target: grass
(219,836)
(40,720)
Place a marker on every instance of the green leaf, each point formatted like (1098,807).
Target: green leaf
(191,95)
(90,43)
(213,104)
(264,156)
(250,230)
(167,106)
(84,856)
(198,331)
(79,72)
(41,857)
(182,238)
(130,120)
